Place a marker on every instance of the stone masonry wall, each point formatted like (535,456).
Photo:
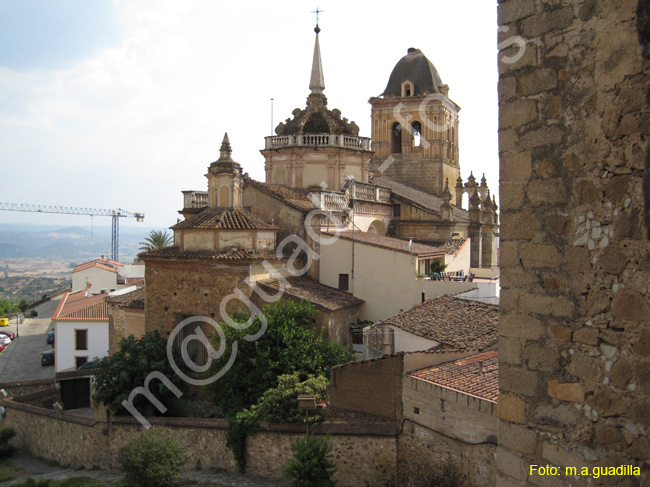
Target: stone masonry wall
(575,336)
(423,453)
(361,453)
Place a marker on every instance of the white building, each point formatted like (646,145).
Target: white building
(80,329)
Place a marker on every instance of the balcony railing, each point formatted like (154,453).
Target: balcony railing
(332,201)
(195,199)
(367,192)
(317,140)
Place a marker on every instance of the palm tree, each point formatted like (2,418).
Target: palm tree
(157,239)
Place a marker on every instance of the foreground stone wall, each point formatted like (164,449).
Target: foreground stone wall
(575,342)
(361,452)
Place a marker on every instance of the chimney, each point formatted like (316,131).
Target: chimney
(88,289)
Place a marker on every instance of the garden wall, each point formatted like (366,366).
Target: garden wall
(361,452)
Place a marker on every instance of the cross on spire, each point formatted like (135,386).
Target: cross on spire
(317,12)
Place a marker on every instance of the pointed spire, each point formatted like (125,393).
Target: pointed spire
(446,190)
(317,82)
(226,150)
(483,181)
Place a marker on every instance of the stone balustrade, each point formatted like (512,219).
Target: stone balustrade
(195,199)
(317,140)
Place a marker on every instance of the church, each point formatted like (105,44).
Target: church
(371,214)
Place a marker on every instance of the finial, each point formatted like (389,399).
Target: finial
(483,180)
(317,81)
(446,190)
(225,150)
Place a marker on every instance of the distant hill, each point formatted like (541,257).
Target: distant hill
(69,243)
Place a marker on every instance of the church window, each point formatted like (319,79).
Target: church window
(396,139)
(407,89)
(417,134)
(344,283)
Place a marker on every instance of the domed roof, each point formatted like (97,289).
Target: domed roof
(414,67)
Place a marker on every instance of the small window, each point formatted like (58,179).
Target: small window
(397,211)
(417,134)
(81,339)
(79,361)
(396,139)
(344,284)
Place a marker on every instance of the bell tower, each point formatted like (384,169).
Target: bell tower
(415,127)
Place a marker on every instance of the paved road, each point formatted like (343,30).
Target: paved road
(38,470)
(21,360)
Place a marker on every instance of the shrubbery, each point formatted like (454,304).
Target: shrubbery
(280,404)
(153,459)
(309,466)
(6,434)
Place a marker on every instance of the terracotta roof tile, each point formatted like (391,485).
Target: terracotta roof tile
(420,198)
(454,322)
(390,243)
(323,297)
(216,218)
(477,375)
(449,247)
(290,196)
(177,253)
(134,299)
(89,265)
(79,307)
(102,260)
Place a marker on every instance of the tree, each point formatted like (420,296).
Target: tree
(157,239)
(7,307)
(286,347)
(118,374)
(23,305)
(309,465)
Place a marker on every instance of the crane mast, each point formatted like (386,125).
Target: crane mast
(115,215)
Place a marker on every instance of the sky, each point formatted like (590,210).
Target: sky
(124,103)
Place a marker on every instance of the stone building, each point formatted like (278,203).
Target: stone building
(575,263)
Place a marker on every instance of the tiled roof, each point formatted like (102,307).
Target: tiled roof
(449,247)
(420,198)
(102,260)
(477,375)
(177,253)
(323,297)
(455,322)
(89,265)
(216,218)
(290,196)
(79,307)
(134,299)
(389,243)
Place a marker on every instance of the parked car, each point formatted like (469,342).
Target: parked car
(47,357)
(89,365)
(2,347)
(5,340)
(50,337)
(10,334)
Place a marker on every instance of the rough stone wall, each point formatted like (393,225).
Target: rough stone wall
(451,413)
(575,342)
(116,327)
(356,387)
(366,453)
(423,452)
(190,287)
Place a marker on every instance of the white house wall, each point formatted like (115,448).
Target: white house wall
(384,278)
(65,352)
(460,261)
(100,279)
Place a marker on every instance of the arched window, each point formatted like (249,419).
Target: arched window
(396,139)
(417,134)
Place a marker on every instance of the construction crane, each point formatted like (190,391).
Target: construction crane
(70,210)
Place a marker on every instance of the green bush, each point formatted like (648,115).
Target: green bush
(153,459)
(309,466)
(280,404)
(240,426)
(6,434)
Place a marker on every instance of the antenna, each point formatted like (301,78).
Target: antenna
(271,116)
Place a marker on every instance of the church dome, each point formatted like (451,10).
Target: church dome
(416,68)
